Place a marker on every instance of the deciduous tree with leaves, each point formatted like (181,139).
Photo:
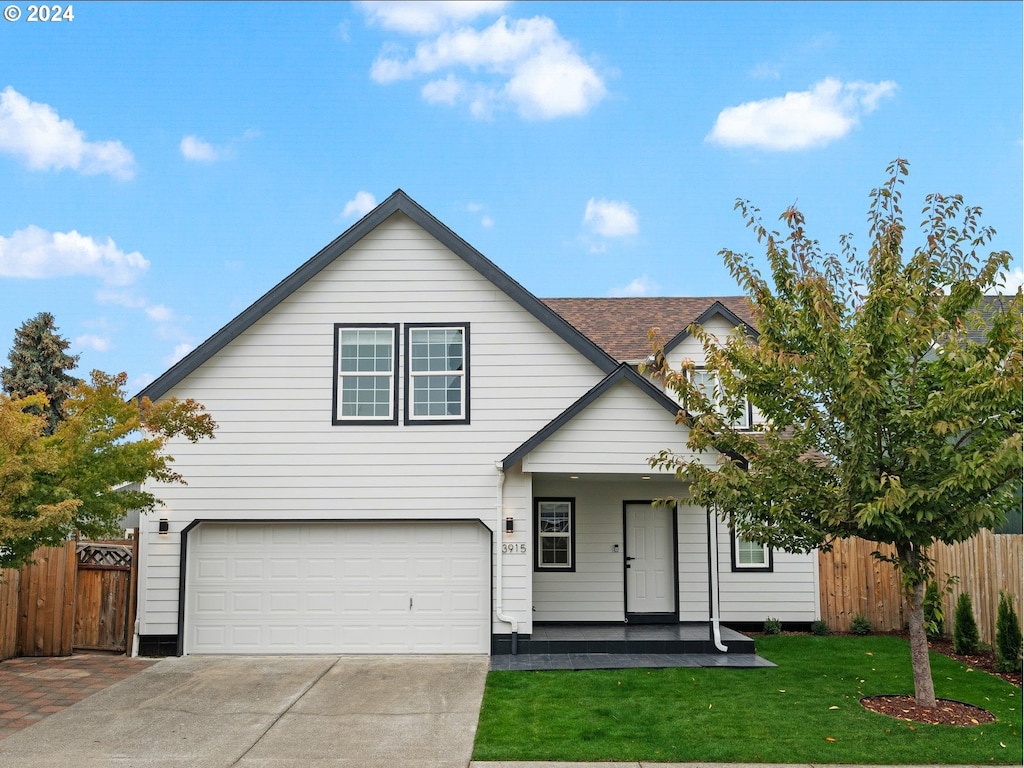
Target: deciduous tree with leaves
(890,390)
(74,479)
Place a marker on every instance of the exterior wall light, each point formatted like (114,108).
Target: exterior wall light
(164,527)
(509,525)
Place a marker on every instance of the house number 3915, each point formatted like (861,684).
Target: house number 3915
(513,549)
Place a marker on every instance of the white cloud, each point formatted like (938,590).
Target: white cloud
(424,17)
(199,150)
(522,63)
(159,313)
(35,133)
(195,149)
(641,286)
(180,350)
(35,253)
(611,218)
(93,342)
(360,205)
(487,222)
(800,119)
(1012,280)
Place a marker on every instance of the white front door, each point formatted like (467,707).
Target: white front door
(650,561)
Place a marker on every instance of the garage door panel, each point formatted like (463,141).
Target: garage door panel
(338,588)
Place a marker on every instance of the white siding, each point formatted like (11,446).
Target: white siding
(789,592)
(595,591)
(617,433)
(276,455)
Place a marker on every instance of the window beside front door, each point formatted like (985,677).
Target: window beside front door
(749,555)
(555,535)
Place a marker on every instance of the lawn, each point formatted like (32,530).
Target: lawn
(806,710)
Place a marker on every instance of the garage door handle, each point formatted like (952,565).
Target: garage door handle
(410,603)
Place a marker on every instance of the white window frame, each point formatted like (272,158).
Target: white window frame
(711,387)
(569,535)
(386,330)
(740,544)
(412,375)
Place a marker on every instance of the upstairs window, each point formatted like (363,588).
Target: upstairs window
(437,379)
(708,383)
(365,361)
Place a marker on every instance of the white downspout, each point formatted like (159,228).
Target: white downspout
(498,528)
(716,628)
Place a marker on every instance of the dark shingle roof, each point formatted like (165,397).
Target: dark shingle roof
(620,325)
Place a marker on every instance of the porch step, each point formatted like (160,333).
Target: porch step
(687,638)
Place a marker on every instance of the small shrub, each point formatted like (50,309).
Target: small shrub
(1008,636)
(860,625)
(772,626)
(820,627)
(965,628)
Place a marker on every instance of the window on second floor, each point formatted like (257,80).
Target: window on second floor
(437,378)
(364,386)
(708,383)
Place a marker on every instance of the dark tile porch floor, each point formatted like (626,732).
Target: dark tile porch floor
(624,646)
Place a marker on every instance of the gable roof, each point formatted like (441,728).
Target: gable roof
(622,373)
(620,325)
(398,202)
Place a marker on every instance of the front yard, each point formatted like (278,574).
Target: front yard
(807,710)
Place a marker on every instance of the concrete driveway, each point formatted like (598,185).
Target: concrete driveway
(268,712)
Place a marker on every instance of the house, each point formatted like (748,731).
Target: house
(416,455)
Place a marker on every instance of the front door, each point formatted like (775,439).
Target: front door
(650,562)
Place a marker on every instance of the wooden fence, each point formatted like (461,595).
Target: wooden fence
(76,596)
(852,582)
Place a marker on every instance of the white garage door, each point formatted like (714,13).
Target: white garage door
(337,588)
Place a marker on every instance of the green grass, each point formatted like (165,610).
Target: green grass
(806,710)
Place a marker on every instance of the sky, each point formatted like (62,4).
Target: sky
(163,165)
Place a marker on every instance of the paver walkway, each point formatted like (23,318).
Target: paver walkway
(32,687)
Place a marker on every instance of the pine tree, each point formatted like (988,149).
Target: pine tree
(1008,636)
(40,365)
(965,628)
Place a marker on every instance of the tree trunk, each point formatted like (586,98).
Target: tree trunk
(924,689)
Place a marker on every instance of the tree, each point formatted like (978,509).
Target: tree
(40,365)
(892,408)
(73,479)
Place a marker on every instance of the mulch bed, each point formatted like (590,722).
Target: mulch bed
(947,712)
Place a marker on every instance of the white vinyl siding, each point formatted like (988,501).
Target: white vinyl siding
(788,592)
(277,455)
(617,433)
(709,384)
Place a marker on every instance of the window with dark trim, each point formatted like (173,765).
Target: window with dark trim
(707,382)
(749,555)
(365,360)
(554,534)
(437,373)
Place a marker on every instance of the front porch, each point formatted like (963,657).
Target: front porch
(623,646)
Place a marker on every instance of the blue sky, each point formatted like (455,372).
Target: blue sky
(162,165)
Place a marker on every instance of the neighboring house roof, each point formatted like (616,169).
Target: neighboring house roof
(398,202)
(620,325)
